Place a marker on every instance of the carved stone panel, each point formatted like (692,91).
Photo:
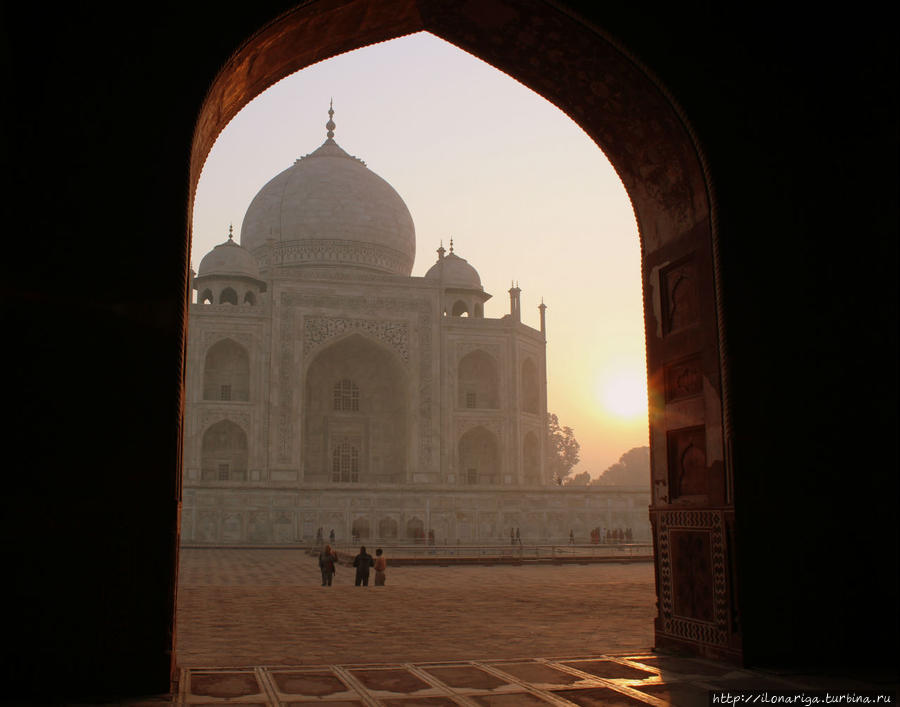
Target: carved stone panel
(680,295)
(283,524)
(692,586)
(688,475)
(246,337)
(692,566)
(207,526)
(258,530)
(319,330)
(491,424)
(232,527)
(684,379)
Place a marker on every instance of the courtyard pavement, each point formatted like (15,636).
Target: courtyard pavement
(255,627)
(267,607)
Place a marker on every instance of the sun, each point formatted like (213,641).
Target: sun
(624,394)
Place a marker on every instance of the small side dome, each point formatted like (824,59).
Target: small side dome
(228,259)
(454,271)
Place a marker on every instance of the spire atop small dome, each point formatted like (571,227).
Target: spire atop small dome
(330,126)
(453,271)
(231,232)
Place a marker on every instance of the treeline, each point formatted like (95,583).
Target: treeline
(632,469)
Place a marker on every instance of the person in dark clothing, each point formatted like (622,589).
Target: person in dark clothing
(363,562)
(327,560)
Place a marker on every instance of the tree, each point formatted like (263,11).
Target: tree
(632,469)
(562,450)
(582,479)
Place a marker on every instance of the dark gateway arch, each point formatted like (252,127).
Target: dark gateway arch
(760,156)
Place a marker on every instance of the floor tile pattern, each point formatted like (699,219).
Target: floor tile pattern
(620,680)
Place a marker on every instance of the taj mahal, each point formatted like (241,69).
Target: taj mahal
(329,388)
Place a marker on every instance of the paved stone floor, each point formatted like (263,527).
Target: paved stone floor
(497,635)
(267,607)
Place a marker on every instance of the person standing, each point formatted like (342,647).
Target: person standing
(362,562)
(380,566)
(327,560)
(331,536)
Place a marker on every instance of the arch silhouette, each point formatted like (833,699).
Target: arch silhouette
(626,110)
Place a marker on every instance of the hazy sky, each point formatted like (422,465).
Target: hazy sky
(524,193)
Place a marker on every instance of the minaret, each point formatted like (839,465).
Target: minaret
(543,310)
(514,310)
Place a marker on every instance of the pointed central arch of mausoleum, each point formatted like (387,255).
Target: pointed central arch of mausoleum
(356,414)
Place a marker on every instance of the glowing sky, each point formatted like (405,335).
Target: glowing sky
(524,193)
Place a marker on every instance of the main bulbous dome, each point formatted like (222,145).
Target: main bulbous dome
(329,209)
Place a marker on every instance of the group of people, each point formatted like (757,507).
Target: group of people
(608,535)
(363,563)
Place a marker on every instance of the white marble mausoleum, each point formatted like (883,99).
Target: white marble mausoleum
(328,388)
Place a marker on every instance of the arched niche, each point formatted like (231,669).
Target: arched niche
(206,297)
(415,529)
(356,398)
(223,454)
(226,372)
(249,298)
(531,395)
(478,457)
(361,528)
(478,381)
(387,528)
(460,309)
(228,296)
(531,458)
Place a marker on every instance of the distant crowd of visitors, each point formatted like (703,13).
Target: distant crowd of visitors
(607,536)
(363,561)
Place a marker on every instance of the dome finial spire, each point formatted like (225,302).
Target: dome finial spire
(231,231)
(330,126)
(441,251)
(451,244)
